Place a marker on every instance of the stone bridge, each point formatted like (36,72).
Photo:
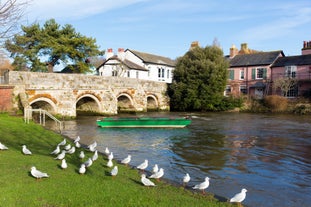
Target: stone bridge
(69,94)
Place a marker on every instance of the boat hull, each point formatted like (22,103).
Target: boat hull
(143,122)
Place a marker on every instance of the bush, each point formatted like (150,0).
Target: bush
(276,103)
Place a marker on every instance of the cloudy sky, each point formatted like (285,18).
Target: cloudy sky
(167,27)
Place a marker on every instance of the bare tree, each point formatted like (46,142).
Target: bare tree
(11,12)
(285,84)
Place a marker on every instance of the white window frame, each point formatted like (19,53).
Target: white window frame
(242,74)
(291,71)
(260,73)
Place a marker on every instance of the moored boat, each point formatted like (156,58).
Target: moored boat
(158,122)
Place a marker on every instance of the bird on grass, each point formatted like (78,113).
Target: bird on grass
(67,147)
(107,151)
(146,181)
(155,168)
(88,163)
(95,155)
(64,164)
(92,147)
(61,155)
(143,165)
(82,169)
(62,143)
(38,174)
(186,179)
(202,186)
(77,144)
(114,171)
(239,197)
(110,156)
(77,140)
(3,147)
(56,151)
(71,150)
(81,155)
(126,160)
(109,163)
(158,174)
(25,150)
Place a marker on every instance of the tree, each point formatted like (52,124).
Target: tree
(42,48)
(11,12)
(199,81)
(285,84)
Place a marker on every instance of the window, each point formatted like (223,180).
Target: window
(290,71)
(137,74)
(168,74)
(128,74)
(293,92)
(243,89)
(114,73)
(228,90)
(231,74)
(242,74)
(161,74)
(259,73)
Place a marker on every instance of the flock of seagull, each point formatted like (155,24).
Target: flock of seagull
(156,172)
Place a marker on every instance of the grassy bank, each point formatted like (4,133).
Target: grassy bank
(69,188)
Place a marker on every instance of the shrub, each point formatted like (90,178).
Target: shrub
(276,103)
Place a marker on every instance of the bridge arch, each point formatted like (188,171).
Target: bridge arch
(88,103)
(43,103)
(125,102)
(152,102)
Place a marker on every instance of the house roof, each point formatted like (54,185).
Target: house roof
(126,62)
(260,58)
(150,58)
(292,60)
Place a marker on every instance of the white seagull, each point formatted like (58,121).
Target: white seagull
(81,155)
(38,174)
(82,169)
(109,163)
(77,140)
(25,150)
(95,155)
(88,163)
(62,143)
(3,147)
(110,156)
(71,150)
(158,174)
(186,179)
(61,155)
(92,146)
(114,171)
(56,151)
(155,168)
(146,181)
(64,164)
(77,144)
(107,151)
(202,186)
(126,160)
(239,197)
(143,165)
(67,147)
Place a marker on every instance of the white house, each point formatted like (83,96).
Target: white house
(140,65)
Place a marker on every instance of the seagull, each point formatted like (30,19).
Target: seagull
(202,186)
(78,145)
(67,147)
(92,147)
(109,163)
(26,151)
(82,169)
(186,179)
(61,155)
(81,155)
(110,156)
(95,155)
(126,160)
(239,197)
(64,164)
(62,143)
(146,181)
(71,150)
(143,165)
(3,147)
(77,140)
(38,174)
(158,174)
(107,151)
(56,151)
(114,171)
(88,163)
(155,168)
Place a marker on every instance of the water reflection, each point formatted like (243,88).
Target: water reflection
(267,154)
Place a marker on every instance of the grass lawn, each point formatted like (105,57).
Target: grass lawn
(69,188)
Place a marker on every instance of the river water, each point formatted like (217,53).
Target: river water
(269,155)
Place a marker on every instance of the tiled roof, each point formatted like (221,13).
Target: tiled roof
(261,58)
(293,60)
(156,59)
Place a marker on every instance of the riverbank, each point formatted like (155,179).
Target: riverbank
(69,188)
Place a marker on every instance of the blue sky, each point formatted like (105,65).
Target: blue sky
(167,27)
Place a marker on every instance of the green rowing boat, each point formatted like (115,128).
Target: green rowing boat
(157,122)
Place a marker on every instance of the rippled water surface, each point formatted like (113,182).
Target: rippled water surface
(269,155)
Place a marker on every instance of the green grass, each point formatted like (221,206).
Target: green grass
(69,188)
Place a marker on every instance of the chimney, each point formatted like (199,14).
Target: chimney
(109,53)
(306,50)
(233,51)
(194,44)
(244,48)
(121,54)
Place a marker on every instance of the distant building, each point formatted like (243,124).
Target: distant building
(135,64)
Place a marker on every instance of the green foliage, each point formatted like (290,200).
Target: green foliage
(199,81)
(41,48)
(276,103)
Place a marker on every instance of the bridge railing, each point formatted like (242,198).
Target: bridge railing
(42,115)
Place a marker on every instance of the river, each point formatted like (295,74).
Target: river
(269,155)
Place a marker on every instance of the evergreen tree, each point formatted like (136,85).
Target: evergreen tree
(199,80)
(40,49)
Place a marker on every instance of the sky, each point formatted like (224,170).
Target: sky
(167,27)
